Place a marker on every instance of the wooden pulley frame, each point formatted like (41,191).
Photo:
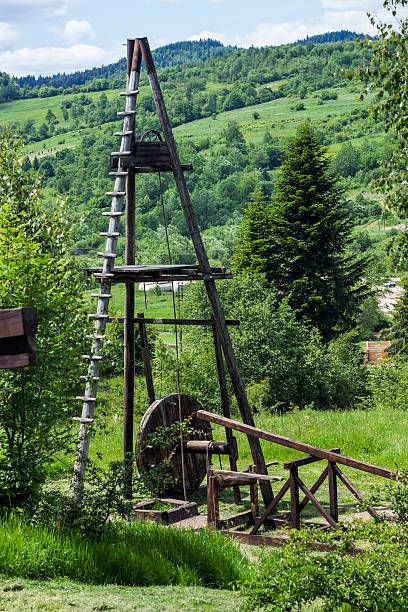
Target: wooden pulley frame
(164,412)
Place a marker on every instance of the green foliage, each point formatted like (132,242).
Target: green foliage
(399,327)
(280,359)
(254,250)
(389,383)
(140,554)
(36,270)
(294,576)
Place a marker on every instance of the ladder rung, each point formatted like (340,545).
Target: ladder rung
(85,399)
(98,316)
(89,377)
(101,295)
(121,153)
(111,213)
(127,133)
(126,113)
(83,420)
(107,255)
(96,336)
(115,193)
(110,234)
(102,275)
(129,93)
(92,357)
(118,173)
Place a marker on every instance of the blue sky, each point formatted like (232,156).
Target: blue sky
(48,36)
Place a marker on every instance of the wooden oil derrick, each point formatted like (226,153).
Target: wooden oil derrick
(142,157)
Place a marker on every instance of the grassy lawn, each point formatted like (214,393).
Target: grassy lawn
(160,306)
(23,595)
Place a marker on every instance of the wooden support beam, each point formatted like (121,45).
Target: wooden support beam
(354,490)
(278,541)
(222,381)
(301,446)
(334,508)
(253,492)
(238,385)
(314,501)
(305,460)
(294,498)
(129,332)
(151,396)
(247,476)
(259,522)
(147,321)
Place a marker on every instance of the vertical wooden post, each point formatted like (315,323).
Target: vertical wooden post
(294,498)
(213,511)
(129,330)
(334,508)
(253,490)
(239,388)
(151,396)
(232,444)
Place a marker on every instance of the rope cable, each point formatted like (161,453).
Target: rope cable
(183,474)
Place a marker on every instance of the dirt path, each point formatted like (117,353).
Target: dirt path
(388,297)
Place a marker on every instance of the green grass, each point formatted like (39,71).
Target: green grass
(155,306)
(25,595)
(135,554)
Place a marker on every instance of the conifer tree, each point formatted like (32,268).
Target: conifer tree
(310,233)
(254,252)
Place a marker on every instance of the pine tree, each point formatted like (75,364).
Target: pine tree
(310,233)
(254,252)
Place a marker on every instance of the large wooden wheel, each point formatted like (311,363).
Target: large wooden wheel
(163,413)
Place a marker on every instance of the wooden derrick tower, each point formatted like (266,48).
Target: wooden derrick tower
(134,158)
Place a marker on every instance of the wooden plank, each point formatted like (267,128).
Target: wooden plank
(245,475)
(253,493)
(9,362)
(301,446)
(18,322)
(194,231)
(206,322)
(242,518)
(151,396)
(278,541)
(294,498)
(306,460)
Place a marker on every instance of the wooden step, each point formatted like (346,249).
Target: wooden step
(110,234)
(115,193)
(101,275)
(92,357)
(121,153)
(129,93)
(119,173)
(107,255)
(84,377)
(83,420)
(101,295)
(85,399)
(126,133)
(98,316)
(130,113)
(117,213)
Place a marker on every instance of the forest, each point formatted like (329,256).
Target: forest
(298,158)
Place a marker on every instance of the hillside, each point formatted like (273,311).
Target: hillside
(232,117)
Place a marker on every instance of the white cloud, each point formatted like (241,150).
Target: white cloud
(26,10)
(204,34)
(50,60)
(75,32)
(8,35)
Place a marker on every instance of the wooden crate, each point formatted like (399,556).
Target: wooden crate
(182,510)
(18,327)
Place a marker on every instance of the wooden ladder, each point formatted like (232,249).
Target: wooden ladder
(100,317)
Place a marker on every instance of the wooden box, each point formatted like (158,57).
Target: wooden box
(178,511)
(18,327)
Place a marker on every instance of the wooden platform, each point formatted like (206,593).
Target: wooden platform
(160,273)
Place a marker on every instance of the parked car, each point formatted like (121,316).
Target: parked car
(389,283)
